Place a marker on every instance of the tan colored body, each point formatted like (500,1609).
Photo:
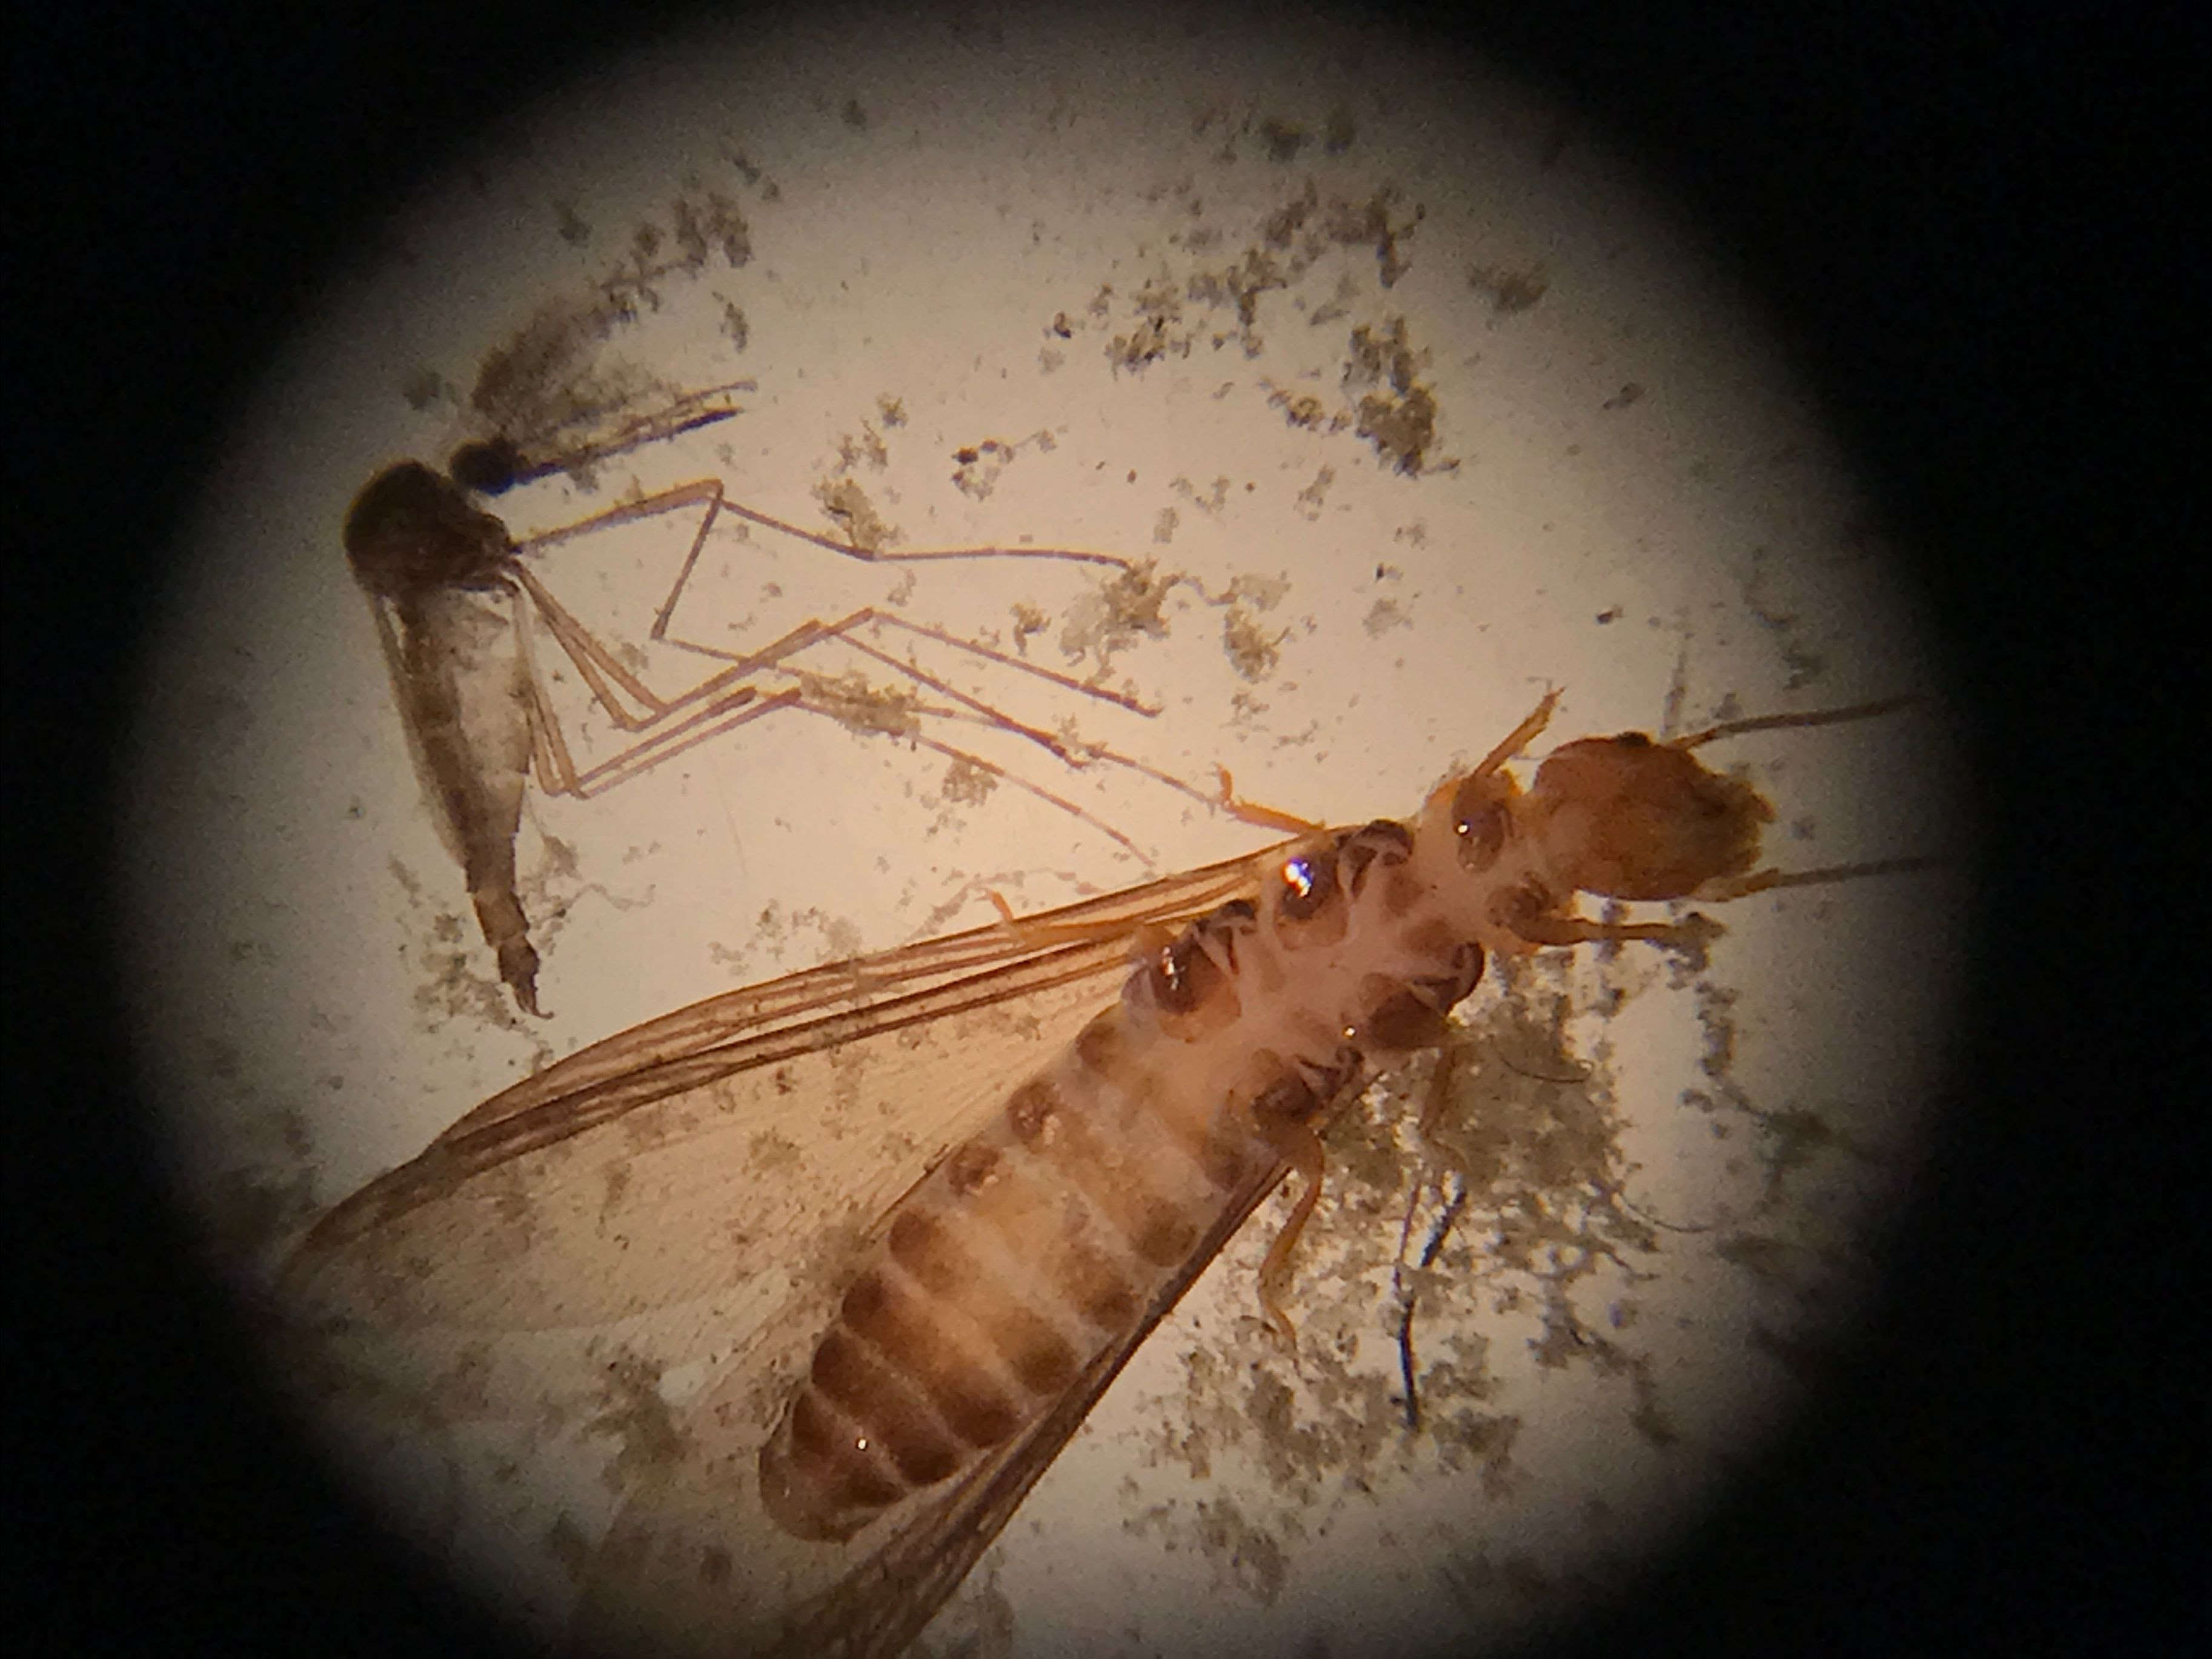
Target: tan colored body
(1040,1243)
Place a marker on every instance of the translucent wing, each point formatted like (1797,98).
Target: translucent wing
(693,1565)
(691,1193)
(696,1152)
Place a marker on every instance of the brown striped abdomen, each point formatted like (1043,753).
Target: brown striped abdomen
(1048,1240)
(1036,1245)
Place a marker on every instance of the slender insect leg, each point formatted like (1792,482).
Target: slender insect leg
(1256,814)
(595,661)
(725,706)
(719,699)
(722,702)
(740,706)
(699,490)
(1302,1149)
(548,748)
(710,490)
(798,700)
(845,551)
(847,629)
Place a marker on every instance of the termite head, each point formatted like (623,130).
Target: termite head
(1626,817)
(410,529)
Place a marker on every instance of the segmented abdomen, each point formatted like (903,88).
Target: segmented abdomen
(1045,1239)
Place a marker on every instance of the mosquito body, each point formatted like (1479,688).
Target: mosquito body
(447,584)
(457,603)
(872,1435)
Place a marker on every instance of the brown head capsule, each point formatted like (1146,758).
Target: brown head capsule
(1629,818)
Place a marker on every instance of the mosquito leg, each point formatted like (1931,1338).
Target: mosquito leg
(699,490)
(880,555)
(798,701)
(974,648)
(845,551)
(593,660)
(734,709)
(548,748)
(846,628)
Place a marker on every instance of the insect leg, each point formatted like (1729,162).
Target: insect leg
(733,709)
(595,663)
(798,700)
(1077,757)
(1301,1148)
(1261,816)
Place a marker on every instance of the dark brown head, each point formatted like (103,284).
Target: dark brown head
(412,529)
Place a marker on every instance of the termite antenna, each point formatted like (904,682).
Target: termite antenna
(1521,736)
(1863,711)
